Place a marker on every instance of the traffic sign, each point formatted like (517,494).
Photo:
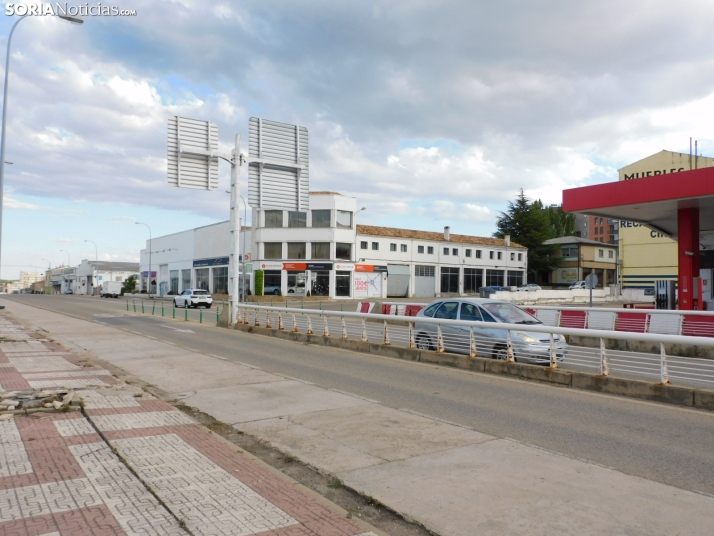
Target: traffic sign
(591,281)
(192,153)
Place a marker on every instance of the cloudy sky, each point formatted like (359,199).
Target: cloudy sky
(430,113)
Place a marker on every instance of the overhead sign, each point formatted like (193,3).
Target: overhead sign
(216,261)
(192,153)
(278,172)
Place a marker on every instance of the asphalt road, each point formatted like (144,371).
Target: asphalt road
(654,441)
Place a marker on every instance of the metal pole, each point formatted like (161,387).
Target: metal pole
(96,254)
(245,219)
(233,275)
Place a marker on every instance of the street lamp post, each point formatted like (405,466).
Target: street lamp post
(69,262)
(96,255)
(245,216)
(149,228)
(74,20)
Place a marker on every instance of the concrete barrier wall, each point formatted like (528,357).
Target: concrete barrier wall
(657,392)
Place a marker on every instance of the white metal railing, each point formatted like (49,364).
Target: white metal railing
(503,341)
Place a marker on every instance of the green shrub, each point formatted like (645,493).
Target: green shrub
(259,278)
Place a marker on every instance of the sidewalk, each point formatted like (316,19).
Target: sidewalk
(123,462)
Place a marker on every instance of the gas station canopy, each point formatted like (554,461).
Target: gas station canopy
(651,201)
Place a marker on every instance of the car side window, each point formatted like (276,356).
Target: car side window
(429,311)
(470,312)
(487,317)
(447,311)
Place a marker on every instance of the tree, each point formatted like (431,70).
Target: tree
(561,223)
(529,225)
(129,285)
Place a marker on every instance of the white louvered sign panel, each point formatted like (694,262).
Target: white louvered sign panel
(278,173)
(192,170)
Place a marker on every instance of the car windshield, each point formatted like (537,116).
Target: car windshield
(510,314)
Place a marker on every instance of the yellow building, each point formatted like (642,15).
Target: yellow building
(646,254)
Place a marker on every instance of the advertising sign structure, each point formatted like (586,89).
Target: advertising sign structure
(192,153)
(278,171)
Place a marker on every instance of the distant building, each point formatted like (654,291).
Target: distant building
(580,257)
(91,274)
(24,283)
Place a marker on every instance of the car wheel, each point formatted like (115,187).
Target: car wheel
(277,293)
(175,304)
(208,306)
(423,342)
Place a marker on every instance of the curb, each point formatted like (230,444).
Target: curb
(656,392)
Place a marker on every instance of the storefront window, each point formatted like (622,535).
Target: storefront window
(473,280)
(320,250)
(271,282)
(273,250)
(185,279)
(174,275)
(342,283)
(202,278)
(320,283)
(296,250)
(220,280)
(296,283)
(515,278)
(450,280)
(494,278)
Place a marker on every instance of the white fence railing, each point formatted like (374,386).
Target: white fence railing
(532,343)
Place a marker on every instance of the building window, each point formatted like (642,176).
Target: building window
(430,250)
(513,256)
(446,251)
(490,255)
(296,250)
(185,279)
(449,280)
(500,255)
(392,247)
(297,219)
(220,280)
(174,281)
(343,219)
(423,271)
(320,250)
(273,218)
(478,253)
(343,251)
(272,282)
(600,253)
(320,283)
(473,280)
(202,278)
(375,246)
(320,218)
(363,245)
(520,256)
(342,283)
(420,249)
(455,251)
(273,250)
(569,252)
(494,278)
(467,252)
(611,254)
(404,248)
(515,278)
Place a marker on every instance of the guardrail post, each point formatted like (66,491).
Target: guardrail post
(344,328)
(439,339)
(200,316)
(553,361)
(386,334)
(218,314)
(681,325)
(134,302)
(245,316)
(510,358)
(256,322)
(411,335)
(185,314)
(173,311)
(364,330)
(664,373)
(325,331)
(162,308)
(472,343)
(267,320)
(604,362)
(153,308)
(309,325)
(280,321)
(295,328)
(127,305)
(142,307)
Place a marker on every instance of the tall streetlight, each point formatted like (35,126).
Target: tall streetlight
(149,228)
(245,216)
(96,255)
(74,20)
(69,263)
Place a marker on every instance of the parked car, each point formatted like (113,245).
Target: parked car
(271,289)
(530,287)
(194,297)
(578,285)
(528,346)
(68,291)
(492,288)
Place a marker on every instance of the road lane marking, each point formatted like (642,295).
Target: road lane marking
(179,330)
(218,357)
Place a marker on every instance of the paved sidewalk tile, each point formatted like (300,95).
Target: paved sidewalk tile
(132,464)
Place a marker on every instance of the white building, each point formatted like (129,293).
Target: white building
(91,274)
(24,283)
(324,252)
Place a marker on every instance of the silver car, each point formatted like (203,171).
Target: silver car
(528,346)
